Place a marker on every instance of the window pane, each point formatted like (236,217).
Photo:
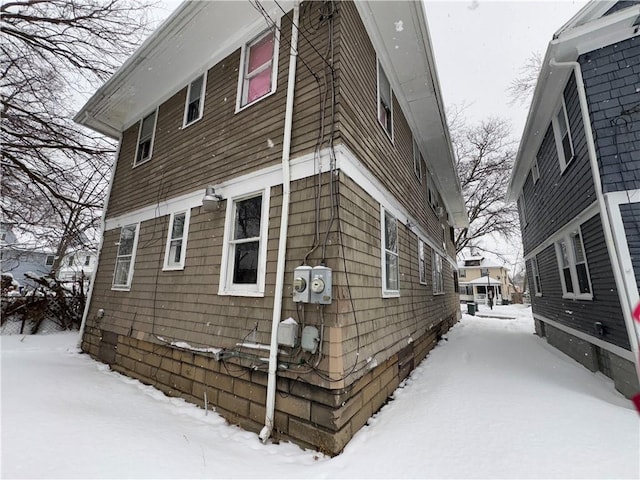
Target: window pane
(390,233)
(122,271)
(196,89)
(260,53)
(391,266)
(583,278)
(385,88)
(144,150)
(248,214)
(178,226)
(566,148)
(259,85)
(577,248)
(562,124)
(147,126)
(175,251)
(565,253)
(567,279)
(246,263)
(127,235)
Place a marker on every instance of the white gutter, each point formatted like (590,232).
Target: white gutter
(103,222)
(614,256)
(265,433)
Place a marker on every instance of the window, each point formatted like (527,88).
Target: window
(258,69)
(572,262)
(49,260)
(87,261)
(385,110)
(444,238)
(456,285)
(422,264)
(463,273)
(417,161)
(145,138)
(176,249)
(438,282)
(195,101)
(70,260)
(535,171)
(536,277)
(244,250)
(3,236)
(125,258)
(562,133)
(432,193)
(521,209)
(390,257)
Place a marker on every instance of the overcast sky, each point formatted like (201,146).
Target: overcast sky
(480,46)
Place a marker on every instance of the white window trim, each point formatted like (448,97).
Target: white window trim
(434,256)
(535,171)
(564,163)
(521,210)
(153,138)
(422,257)
(387,293)
(185,234)
(226,287)
(46,260)
(185,124)
(134,251)
(536,274)
(572,267)
(274,71)
(417,161)
(378,66)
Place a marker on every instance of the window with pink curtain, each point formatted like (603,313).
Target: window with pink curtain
(258,69)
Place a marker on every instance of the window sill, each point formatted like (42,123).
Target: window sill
(173,268)
(243,107)
(192,122)
(582,296)
(538,295)
(121,288)
(135,165)
(391,294)
(240,293)
(438,294)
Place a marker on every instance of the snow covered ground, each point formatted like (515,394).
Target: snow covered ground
(493,401)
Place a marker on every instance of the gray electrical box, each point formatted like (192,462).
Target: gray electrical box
(301,284)
(288,332)
(310,339)
(321,285)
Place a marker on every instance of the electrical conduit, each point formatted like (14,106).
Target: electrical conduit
(265,433)
(604,211)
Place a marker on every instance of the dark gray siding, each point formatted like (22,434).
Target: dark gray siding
(621,5)
(612,81)
(631,220)
(558,197)
(582,314)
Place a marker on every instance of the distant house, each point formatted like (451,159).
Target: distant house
(577,182)
(478,276)
(278,236)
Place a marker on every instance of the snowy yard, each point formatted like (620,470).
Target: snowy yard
(494,401)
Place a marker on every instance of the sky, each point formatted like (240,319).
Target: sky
(492,400)
(480,47)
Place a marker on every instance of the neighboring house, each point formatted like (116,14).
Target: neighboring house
(78,265)
(261,197)
(478,275)
(19,260)
(577,182)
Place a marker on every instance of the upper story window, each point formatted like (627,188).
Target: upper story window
(562,133)
(87,261)
(462,273)
(259,64)
(176,249)
(385,107)
(537,285)
(432,193)
(535,172)
(146,134)
(70,260)
(244,250)
(390,255)
(49,260)
(123,273)
(438,281)
(422,264)
(572,262)
(417,161)
(195,101)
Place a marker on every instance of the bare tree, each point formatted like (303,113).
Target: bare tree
(53,171)
(484,153)
(521,88)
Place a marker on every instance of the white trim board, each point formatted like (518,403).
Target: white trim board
(621,352)
(301,167)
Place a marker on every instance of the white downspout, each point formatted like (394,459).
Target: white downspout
(265,433)
(103,221)
(614,257)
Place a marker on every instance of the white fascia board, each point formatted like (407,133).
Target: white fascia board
(567,47)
